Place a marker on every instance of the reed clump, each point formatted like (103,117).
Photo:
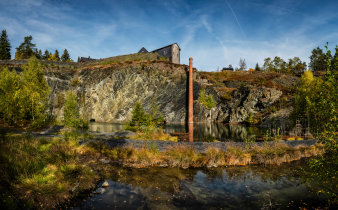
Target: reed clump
(182,156)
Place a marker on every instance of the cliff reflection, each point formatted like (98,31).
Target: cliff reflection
(231,188)
(202,131)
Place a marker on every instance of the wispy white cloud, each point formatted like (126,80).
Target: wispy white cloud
(235,16)
(211,32)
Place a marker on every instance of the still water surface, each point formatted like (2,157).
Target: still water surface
(202,131)
(249,187)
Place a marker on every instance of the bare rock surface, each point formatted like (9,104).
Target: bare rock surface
(108,93)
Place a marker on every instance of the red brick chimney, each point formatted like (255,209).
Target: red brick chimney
(190,103)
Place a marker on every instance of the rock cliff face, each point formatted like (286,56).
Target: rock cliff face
(244,100)
(108,93)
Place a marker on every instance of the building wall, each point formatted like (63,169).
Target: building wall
(175,54)
(172,52)
(165,52)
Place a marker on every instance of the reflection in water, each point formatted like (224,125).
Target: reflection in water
(105,127)
(222,132)
(191,132)
(202,131)
(234,187)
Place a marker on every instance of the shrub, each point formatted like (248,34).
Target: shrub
(141,120)
(249,118)
(273,109)
(206,100)
(71,113)
(75,81)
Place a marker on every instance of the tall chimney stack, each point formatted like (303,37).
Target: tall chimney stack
(190,104)
(190,96)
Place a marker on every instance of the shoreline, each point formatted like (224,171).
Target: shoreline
(152,153)
(79,162)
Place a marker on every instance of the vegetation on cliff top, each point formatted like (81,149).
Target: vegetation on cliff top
(5,46)
(126,58)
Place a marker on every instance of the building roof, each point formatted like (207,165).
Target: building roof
(167,46)
(143,50)
(85,59)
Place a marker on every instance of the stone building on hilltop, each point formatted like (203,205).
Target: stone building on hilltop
(171,51)
(84,59)
(143,50)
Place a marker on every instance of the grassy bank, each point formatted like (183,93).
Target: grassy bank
(185,156)
(45,173)
(48,173)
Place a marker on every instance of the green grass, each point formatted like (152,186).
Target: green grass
(43,171)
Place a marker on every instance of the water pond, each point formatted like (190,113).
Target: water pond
(202,131)
(249,187)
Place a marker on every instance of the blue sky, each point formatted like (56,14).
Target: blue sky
(215,33)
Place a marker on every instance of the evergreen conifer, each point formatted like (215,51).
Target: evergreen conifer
(65,56)
(26,49)
(5,47)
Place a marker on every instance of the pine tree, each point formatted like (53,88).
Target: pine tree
(26,49)
(56,56)
(65,56)
(139,117)
(39,55)
(318,60)
(334,61)
(5,47)
(45,55)
(257,68)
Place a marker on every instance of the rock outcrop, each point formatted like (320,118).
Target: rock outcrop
(244,100)
(108,93)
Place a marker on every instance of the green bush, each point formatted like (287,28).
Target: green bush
(250,118)
(72,117)
(75,81)
(273,109)
(140,120)
(206,100)
(24,97)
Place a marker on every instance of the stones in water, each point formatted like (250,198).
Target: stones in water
(105,184)
(100,190)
